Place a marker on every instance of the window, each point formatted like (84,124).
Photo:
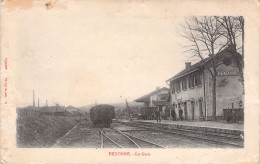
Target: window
(163,98)
(173,87)
(197,79)
(178,86)
(191,81)
(184,84)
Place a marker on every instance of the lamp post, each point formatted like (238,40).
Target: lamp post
(127,108)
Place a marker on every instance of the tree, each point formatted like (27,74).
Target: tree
(210,35)
(233,31)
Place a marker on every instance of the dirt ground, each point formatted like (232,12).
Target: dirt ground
(83,135)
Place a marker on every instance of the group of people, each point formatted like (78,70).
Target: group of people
(173,113)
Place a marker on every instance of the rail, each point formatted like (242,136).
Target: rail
(206,136)
(102,139)
(144,140)
(129,137)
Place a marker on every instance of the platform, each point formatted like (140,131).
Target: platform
(220,127)
(208,124)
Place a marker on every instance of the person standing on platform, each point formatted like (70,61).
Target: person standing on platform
(180,114)
(173,115)
(158,116)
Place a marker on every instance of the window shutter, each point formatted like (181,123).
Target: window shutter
(199,79)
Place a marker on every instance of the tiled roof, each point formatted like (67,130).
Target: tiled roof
(189,70)
(198,65)
(146,98)
(71,108)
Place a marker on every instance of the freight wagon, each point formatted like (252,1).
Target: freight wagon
(102,115)
(148,113)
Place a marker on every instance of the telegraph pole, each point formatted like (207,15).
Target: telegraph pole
(128,109)
(33,99)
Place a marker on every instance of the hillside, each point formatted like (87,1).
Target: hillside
(116,105)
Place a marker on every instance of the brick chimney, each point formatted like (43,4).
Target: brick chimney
(188,65)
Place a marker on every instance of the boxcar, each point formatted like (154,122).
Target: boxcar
(102,115)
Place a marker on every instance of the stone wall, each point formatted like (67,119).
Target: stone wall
(229,89)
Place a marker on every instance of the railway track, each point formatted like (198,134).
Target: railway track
(208,136)
(112,138)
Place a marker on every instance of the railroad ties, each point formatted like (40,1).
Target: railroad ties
(112,138)
(228,138)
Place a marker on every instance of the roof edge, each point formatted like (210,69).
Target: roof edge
(142,97)
(174,78)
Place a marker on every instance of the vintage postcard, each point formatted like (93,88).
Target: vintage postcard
(132,81)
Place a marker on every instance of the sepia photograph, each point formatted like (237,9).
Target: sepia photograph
(127,79)
(201,105)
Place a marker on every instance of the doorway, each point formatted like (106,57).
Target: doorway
(185,111)
(192,109)
(160,108)
(201,110)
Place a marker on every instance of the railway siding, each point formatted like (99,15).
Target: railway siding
(214,135)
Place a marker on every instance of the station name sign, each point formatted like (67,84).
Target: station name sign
(228,73)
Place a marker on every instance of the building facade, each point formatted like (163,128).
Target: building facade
(191,89)
(158,98)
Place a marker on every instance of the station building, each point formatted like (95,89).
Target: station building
(191,89)
(156,99)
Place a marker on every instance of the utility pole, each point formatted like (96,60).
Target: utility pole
(128,109)
(33,99)
(38,102)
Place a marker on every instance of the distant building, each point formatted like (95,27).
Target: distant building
(45,110)
(54,110)
(158,98)
(28,111)
(191,89)
(72,110)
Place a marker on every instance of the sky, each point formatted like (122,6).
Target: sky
(81,53)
